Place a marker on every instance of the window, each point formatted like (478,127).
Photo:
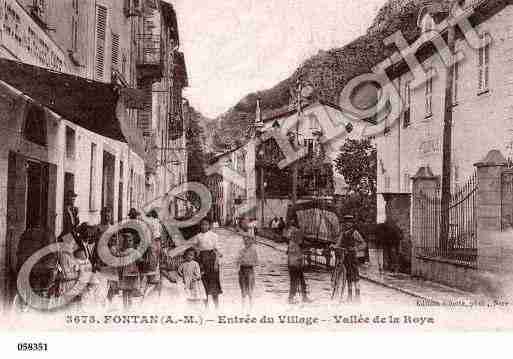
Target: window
(70,143)
(428,23)
(35,125)
(429,93)
(407,105)
(387,183)
(74,27)
(92,178)
(115,51)
(406,182)
(484,63)
(123,66)
(101,25)
(38,8)
(132,7)
(455,79)
(74,34)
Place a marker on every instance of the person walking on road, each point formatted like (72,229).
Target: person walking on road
(247,261)
(209,258)
(295,259)
(350,241)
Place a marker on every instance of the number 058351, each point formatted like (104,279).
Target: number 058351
(32,347)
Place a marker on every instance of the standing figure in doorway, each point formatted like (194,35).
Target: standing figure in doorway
(70,218)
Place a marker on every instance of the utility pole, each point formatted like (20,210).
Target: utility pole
(296,143)
(447,144)
(262,192)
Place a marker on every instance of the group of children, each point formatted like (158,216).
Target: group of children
(191,274)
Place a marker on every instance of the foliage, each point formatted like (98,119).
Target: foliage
(328,71)
(357,162)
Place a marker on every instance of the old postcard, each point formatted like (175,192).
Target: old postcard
(241,165)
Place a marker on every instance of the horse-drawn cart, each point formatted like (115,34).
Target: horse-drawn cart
(319,220)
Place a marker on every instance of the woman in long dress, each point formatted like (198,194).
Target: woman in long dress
(209,256)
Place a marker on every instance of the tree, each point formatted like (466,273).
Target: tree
(357,163)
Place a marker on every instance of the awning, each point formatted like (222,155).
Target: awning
(89,104)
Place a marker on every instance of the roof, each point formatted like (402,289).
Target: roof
(483,10)
(289,112)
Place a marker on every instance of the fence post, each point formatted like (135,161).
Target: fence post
(488,206)
(427,183)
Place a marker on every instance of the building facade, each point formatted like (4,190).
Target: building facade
(76,122)
(410,153)
(256,165)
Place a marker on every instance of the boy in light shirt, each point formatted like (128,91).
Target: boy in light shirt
(247,260)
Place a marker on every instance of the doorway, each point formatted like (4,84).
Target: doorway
(37,195)
(109,162)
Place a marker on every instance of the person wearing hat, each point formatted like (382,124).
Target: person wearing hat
(349,242)
(70,218)
(133,213)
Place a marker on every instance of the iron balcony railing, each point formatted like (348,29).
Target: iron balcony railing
(149,50)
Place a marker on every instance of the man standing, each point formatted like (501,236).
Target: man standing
(351,241)
(295,259)
(70,218)
(275,224)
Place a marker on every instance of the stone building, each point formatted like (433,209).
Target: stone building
(237,195)
(69,78)
(410,151)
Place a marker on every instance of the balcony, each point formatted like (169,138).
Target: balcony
(149,57)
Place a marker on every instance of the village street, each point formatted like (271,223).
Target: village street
(272,279)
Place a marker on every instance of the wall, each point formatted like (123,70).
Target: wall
(480,121)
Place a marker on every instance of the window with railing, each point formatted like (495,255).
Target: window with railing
(149,49)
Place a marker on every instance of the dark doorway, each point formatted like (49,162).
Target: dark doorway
(109,162)
(37,195)
(120,192)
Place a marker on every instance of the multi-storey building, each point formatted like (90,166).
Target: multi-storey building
(74,120)
(256,165)
(445,239)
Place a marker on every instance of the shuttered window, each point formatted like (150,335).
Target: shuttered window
(115,51)
(455,79)
(429,93)
(101,25)
(484,63)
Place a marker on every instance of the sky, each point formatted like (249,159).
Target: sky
(234,47)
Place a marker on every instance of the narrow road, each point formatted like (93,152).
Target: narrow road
(272,279)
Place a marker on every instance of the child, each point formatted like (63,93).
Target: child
(247,260)
(190,273)
(84,269)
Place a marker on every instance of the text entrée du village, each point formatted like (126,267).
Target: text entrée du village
(289,320)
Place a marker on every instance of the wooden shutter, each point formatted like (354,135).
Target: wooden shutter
(101,26)
(115,51)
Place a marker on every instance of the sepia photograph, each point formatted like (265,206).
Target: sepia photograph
(236,166)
